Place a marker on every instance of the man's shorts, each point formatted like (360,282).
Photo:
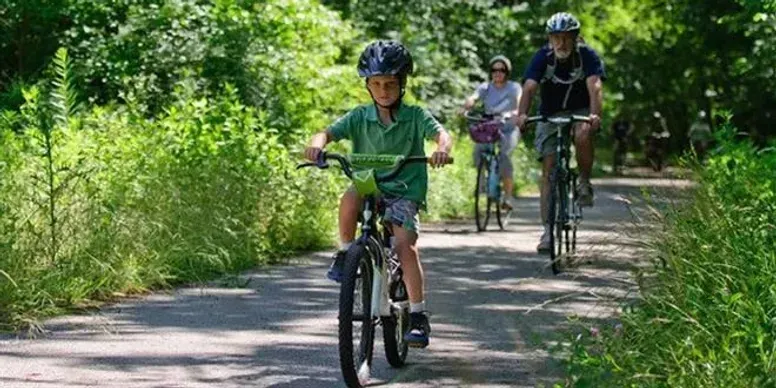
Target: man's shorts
(546,142)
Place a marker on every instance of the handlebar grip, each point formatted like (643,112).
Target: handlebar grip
(450,160)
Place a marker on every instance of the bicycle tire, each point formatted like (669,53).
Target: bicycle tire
(502,215)
(552,220)
(396,348)
(562,219)
(577,213)
(357,277)
(481,214)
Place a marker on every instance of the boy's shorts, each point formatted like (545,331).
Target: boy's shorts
(402,212)
(399,211)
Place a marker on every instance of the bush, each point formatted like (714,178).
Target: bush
(106,200)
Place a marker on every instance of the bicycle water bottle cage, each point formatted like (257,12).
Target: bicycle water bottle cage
(364,178)
(486,132)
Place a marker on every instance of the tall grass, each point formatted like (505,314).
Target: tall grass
(708,318)
(109,201)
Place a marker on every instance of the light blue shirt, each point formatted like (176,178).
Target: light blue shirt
(500,100)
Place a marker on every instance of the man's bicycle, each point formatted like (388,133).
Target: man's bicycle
(489,195)
(563,212)
(372,292)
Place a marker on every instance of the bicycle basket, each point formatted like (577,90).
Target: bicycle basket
(486,132)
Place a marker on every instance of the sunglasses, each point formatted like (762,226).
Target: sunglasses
(498,70)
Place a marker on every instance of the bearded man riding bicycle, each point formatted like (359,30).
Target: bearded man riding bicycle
(570,74)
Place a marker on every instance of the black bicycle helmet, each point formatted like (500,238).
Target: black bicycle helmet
(385,57)
(563,22)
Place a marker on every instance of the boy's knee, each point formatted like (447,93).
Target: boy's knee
(349,199)
(405,239)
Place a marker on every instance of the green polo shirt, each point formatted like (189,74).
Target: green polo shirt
(405,136)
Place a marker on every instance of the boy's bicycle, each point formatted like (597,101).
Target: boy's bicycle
(372,291)
(563,212)
(489,194)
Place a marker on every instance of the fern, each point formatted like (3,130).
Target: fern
(64,98)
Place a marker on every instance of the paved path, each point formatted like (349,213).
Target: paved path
(496,309)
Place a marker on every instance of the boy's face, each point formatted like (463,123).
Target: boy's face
(384,88)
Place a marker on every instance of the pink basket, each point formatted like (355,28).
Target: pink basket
(486,132)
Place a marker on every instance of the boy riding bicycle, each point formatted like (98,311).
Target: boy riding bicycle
(388,126)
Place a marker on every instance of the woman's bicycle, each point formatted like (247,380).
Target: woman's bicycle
(489,195)
(563,212)
(372,292)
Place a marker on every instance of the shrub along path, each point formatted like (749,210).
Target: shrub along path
(496,310)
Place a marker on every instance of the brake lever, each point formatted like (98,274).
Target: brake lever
(303,165)
(321,162)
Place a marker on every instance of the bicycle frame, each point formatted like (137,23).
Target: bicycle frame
(492,158)
(563,169)
(383,264)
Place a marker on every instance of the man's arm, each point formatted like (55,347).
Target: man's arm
(524,104)
(596,92)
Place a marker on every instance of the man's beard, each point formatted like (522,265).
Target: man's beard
(562,54)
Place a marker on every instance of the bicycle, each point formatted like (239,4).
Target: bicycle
(563,212)
(486,130)
(372,291)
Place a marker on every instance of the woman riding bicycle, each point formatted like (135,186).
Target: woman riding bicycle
(499,96)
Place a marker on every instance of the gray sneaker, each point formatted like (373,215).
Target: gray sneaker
(544,242)
(585,194)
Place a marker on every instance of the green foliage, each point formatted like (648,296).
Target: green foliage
(203,188)
(706,319)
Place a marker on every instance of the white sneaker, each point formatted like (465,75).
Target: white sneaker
(508,203)
(544,242)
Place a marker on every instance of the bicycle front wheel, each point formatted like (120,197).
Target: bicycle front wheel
(481,198)
(356,326)
(396,346)
(554,220)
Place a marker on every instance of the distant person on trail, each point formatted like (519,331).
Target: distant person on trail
(621,129)
(570,74)
(500,97)
(700,135)
(389,126)
(656,143)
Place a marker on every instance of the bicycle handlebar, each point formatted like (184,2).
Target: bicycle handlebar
(487,117)
(559,120)
(347,162)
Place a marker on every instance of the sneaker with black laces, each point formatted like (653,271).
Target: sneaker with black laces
(337,268)
(419,331)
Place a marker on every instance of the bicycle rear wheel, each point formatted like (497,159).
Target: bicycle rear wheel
(356,327)
(481,200)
